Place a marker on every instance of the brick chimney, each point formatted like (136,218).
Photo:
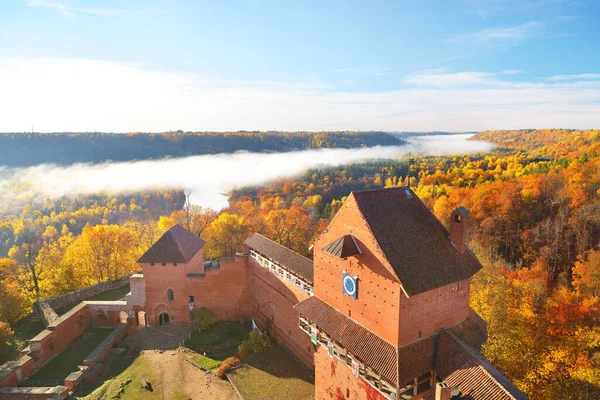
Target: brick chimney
(459,225)
(443,391)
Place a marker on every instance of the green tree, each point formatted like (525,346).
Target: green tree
(204,318)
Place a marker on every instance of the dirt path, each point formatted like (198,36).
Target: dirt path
(183,380)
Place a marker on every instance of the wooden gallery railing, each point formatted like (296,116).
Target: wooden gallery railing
(418,385)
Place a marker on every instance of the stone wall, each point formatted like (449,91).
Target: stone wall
(47,313)
(34,393)
(82,294)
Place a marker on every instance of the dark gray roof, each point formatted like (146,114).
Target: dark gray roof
(413,240)
(177,245)
(282,255)
(343,247)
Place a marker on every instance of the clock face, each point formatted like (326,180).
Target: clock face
(349,283)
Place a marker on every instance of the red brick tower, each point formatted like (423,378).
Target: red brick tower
(388,279)
(166,268)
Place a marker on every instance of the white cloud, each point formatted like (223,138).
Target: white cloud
(499,36)
(511,72)
(581,77)
(86,95)
(374,71)
(71,11)
(447,80)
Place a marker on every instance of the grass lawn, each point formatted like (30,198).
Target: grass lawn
(127,383)
(206,362)
(55,372)
(274,374)
(220,340)
(169,374)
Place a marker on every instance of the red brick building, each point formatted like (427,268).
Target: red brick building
(381,313)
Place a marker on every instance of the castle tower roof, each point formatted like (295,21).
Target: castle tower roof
(414,242)
(343,247)
(177,245)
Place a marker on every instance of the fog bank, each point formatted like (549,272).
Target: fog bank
(210,176)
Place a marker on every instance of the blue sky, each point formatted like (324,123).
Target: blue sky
(225,65)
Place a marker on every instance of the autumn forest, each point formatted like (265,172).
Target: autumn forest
(534,204)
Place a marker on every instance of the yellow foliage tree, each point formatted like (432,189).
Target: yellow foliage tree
(103,252)
(225,236)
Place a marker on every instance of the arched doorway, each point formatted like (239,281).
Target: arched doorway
(123,316)
(163,319)
(142,318)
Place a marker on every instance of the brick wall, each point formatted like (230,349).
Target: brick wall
(424,314)
(334,380)
(107,313)
(58,335)
(273,302)
(45,346)
(377,305)
(225,291)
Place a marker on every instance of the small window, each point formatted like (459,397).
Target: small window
(347,393)
(152,264)
(164,264)
(170,295)
(456,218)
(174,264)
(349,313)
(191,299)
(459,286)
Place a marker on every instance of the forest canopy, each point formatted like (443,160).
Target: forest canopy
(27,149)
(534,207)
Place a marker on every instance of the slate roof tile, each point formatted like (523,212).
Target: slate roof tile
(177,245)
(413,240)
(343,247)
(282,255)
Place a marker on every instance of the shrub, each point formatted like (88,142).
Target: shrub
(227,365)
(5,334)
(204,318)
(207,362)
(257,342)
